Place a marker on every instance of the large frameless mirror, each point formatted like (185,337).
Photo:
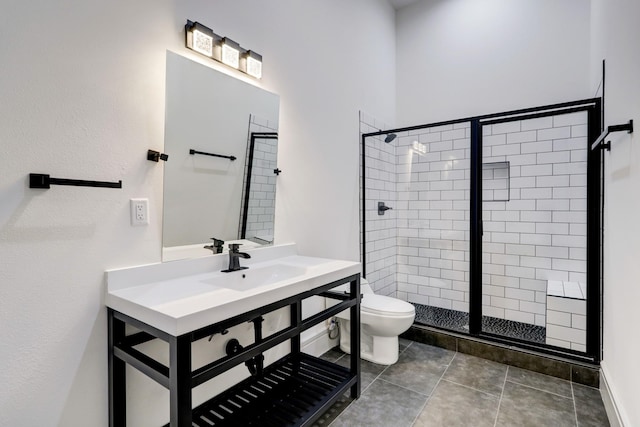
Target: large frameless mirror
(219,181)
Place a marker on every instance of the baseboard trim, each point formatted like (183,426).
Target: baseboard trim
(615,414)
(554,366)
(319,343)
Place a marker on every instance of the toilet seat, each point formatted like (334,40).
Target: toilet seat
(385,306)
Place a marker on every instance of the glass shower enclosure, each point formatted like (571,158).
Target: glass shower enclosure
(494,227)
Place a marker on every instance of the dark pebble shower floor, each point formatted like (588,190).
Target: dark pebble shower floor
(459,321)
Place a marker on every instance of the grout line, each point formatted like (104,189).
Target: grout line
(434,389)
(504,384)
(353,400)
(376,377)
(387,367)
(471,388)
(539,389)
(424,405)
(543,374)
(575,405)
(408,345)
(403,387)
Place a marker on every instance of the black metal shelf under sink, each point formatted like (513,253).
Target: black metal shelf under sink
(292,392)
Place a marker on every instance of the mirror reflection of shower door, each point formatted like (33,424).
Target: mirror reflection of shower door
(534,224)
(257,212)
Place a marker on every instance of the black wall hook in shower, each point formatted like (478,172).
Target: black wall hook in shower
(41,180)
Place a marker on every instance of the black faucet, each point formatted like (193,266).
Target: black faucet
(217,246)
(234,258)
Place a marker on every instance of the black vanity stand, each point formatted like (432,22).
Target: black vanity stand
(293,391)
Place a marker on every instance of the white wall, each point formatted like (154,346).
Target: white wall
(459,58)
(615,36)
(82,89)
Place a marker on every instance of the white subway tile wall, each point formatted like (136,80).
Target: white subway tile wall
(261,210)
(538,235)
(566,322)
(543,226)
(381,230)
(433,215)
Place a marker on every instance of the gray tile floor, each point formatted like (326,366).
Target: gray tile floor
(431,386)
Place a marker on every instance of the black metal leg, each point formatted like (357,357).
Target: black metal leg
(117,375)
(179,378)
(180,381)
(355,337)
(296,319)
(257,334)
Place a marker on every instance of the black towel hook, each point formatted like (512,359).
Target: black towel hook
(156,156)
(613,128)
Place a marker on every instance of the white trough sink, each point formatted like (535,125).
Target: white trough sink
(181,296)
(265,275)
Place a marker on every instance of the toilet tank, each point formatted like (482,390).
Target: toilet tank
(365,288)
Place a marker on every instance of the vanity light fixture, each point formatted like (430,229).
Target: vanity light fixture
(204,41)
(200,38)
(230,53)
(251,63)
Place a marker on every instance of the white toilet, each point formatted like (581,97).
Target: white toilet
(382,319)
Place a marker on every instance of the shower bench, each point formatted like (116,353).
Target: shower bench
(566,314)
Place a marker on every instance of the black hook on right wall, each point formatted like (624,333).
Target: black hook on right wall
(628,127)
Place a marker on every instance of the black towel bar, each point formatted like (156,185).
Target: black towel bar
(41,180)
(192,151)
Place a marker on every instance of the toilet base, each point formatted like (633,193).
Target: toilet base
(379,350)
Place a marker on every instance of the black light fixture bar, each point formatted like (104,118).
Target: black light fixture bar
(203,40)
(41,180)
(192,152)
(628,127)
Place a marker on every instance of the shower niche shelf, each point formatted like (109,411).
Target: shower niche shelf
(496,185)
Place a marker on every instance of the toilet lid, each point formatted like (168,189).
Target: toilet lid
(380,304)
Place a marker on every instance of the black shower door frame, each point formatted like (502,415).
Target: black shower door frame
(593,107)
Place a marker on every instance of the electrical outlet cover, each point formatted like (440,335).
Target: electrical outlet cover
(139,211)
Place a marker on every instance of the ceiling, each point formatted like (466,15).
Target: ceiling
(399,4)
